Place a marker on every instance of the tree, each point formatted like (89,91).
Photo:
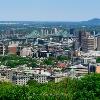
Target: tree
(62,58)
(48,62)
(87,88)
(98,60)
(32,83)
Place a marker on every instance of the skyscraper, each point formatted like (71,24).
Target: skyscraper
(98,43)
(88,43)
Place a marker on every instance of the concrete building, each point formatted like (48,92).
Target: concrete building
(88,60)
(27,51)
(4,79)
(40,78)
(93,54)
(81,36)
(97,69)
(12,48)
(77,70)
(42,54)
(2,49)
(9,74)
(88,43)
(20,78)
(98,43)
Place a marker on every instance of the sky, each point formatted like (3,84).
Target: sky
(49,10)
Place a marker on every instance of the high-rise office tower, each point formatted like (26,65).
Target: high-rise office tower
(88,43)
(98,43)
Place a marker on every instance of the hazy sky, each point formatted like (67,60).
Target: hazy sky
(49,10)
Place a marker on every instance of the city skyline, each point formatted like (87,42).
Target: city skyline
(48,10)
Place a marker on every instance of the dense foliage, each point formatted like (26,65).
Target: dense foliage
(13,61)
(49,61)
(98,60)
(62,58)
(86,88)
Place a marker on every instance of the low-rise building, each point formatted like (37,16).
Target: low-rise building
(12,48)
(97,69)
(77,70)
(27,51)
(4,79)
(88,60)
(20,78)
(40,78)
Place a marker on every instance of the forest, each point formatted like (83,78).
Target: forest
(85,88)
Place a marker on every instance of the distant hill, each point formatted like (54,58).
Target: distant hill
(91,22)
(95,21)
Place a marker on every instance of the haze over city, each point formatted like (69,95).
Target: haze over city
(49,49)
(49,10)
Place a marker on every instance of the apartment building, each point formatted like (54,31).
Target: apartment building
(40,78)
(20,78)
